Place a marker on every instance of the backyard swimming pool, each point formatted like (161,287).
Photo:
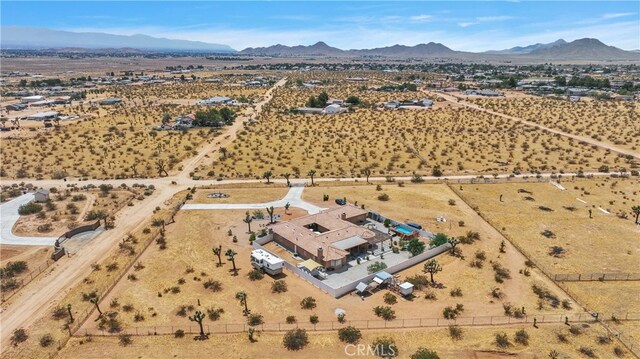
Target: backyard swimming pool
(404,230)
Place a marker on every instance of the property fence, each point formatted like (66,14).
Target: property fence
(73,232)
(377,324)
(349,287)
(25,279)
(560,277)
(576,277)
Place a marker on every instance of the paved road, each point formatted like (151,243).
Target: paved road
(293,197)
(8,218)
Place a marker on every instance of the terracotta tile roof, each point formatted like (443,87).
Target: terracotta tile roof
(338,230)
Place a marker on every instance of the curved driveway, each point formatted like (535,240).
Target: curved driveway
(8,218)
(293,197)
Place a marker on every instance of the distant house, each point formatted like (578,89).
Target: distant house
(29,99)
(576,91)
(489,93)
(216,100)
(335,101)
(16,107)
(41,195)
(333,109)
(42,103)
(357,79)
(391,104)
(109,101)
(41,116)
(312,110)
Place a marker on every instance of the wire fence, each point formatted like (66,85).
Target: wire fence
(193,328)
(577,277)
(24,280)
(560,279)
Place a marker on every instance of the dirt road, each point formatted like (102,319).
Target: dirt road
(461,101)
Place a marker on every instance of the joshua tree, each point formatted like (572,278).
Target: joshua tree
(223,150)
(270,211)
(286,176)
(267,175)
(367,173)
(432,267)
(96,302)
(248,219)
(242,297)
(231,256)
(286,207)
(198,316)
(636,211)
(453,242)
(218,252)
(590,214)
(161,165)
(311,174)
(251,332)
(70,314)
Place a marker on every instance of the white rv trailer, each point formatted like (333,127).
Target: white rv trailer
(266,261)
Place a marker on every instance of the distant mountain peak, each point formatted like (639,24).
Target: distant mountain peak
(25,37)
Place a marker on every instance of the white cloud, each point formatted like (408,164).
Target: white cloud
(467,24)
(484,19)
(421,18)
(617,15)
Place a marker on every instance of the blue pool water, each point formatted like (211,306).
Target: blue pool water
(403,230)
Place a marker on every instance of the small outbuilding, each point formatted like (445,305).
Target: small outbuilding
(41,195)
(405,289)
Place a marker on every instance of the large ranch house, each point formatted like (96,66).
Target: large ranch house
(330,237)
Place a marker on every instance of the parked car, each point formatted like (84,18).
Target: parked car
(414,225)
(341,201)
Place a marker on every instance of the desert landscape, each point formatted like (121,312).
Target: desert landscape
(168,197)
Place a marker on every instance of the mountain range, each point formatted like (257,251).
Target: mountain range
(15,37)
(22,37)
(526,49)
(582,49)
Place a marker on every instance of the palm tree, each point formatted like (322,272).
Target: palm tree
(432,267)
(218,252)
(230,253)
(286,176)
(311,174)
(286,207)
(636,211)
(242,297)
(247,219)
(267,175)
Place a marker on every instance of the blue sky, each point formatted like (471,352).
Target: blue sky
(466,26)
